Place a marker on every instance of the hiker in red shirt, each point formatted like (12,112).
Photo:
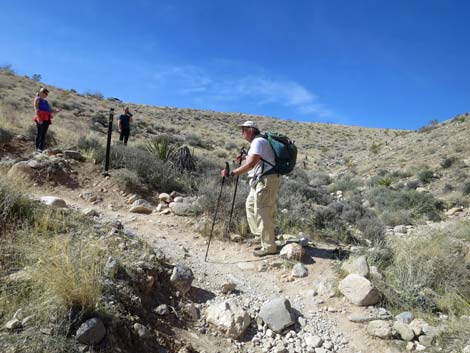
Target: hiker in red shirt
(43,117)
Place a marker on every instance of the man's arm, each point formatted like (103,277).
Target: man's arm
(250,163)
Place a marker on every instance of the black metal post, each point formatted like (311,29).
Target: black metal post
(108,143)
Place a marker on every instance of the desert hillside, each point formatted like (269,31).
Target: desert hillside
(372,226)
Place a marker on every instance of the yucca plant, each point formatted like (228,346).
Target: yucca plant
(161,148)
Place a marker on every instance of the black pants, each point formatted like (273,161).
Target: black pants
(41,136)
(124,135)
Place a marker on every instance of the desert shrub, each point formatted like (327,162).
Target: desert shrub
(99,119)
(231,146)
(197,141)
(318,178)
(447,162)
(154,172)
(8,69)
(15,207)
(395,218)
(94,94)
(88,143)
(412,184)
(428,270)
(36,77)
(466,188)
(425,176)
(5,136)
(429,127)
(447,188)
(372,229)
(346,183)
(129,181)
(418,203)
(375,148)
(70,272)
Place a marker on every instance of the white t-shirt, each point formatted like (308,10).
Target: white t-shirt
(261,147)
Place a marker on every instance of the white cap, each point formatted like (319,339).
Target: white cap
(249,124)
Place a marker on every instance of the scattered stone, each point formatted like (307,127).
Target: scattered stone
(111,268)
(358,266)
(417,326)
(164,197)
(374,272)
(229,318)
(237,238)
(292,251)
(400,229)
(228,287)
(182,277)
(162,310)
(140,329)
(21,170)
(404,330)
(13,324)
(182,208)
(277,314)
(88,196)
(299,270)
(359,290)
(192,311)
(313,341)
(133,198)
(90,212)
(379,328)
(141,206)
(91,332)
(325,287)
(76,155)
(454,210)
(405,317)
(53,201)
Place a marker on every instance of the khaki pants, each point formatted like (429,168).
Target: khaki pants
(261,209)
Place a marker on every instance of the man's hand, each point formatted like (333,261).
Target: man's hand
(224,173)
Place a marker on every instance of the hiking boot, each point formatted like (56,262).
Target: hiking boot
(264,252)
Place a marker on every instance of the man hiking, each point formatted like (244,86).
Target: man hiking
(125,125)
(264,187)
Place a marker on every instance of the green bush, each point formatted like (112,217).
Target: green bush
(448,162)
(88,143)
(15,207)
(466,188)
(425,176)
(395,218)
(161,148)
(418,203)
(346,183)
(5,136)
(429,270)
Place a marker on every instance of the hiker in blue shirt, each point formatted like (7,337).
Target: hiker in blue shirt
(124,125)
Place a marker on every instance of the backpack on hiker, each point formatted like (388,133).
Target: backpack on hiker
(285,152)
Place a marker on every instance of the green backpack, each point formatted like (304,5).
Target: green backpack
(285,152)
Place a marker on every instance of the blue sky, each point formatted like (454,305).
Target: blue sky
(394,64)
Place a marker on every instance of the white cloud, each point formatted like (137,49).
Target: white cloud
(212,87)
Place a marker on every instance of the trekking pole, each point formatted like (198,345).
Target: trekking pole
(227,168)
(242,152)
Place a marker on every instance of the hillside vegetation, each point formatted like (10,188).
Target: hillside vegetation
(398,197)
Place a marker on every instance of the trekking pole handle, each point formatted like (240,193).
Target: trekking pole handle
(227,167)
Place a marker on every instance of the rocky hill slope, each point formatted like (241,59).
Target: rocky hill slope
(373,226)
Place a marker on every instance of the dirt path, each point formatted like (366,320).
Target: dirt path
(233,262)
